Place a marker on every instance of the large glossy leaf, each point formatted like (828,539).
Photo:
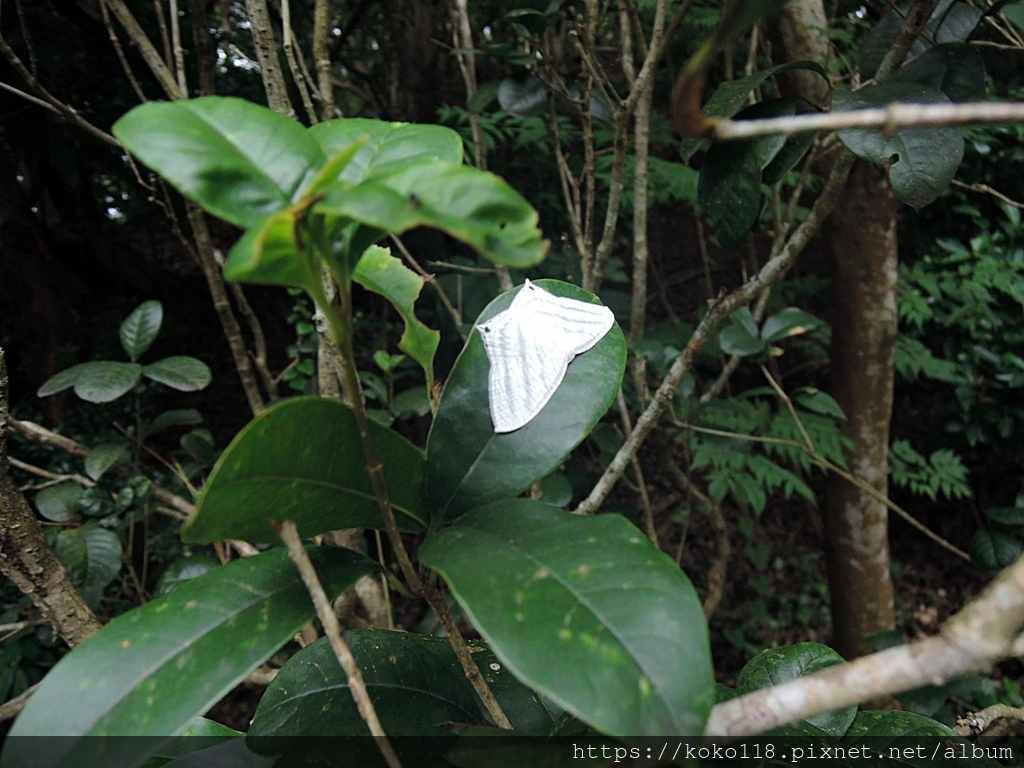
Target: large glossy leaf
(270,254)
(898,736)
(416,683)
(921,161)
(150,671)
(238,160)
(779,665)
(140,328)
(388,148)
(469,465)
(181,372)
(302,460)
(584,610)
(474,206)
(382,273)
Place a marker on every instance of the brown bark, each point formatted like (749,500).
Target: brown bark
(26,558)
(861,240)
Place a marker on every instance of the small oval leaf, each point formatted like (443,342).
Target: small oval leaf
(183,373)
(139,330)
(105,380)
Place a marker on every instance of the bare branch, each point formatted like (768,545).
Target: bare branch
(889,119)
(973,640)
(149,54)
(711,323)
(342,651)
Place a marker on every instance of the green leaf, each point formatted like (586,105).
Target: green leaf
(789,322)
(792,152)
(956,69)
(729,186)
(382,273)
(238,160)
(388,148)
(201,726)
(741,337)
(183,373)
(921,161)
(139,330)
(269,254)
(174,418)
(105,380)
(417,685)
(815,400)
(523,98)
(729,190)
(584,610)
(302,460)
(59,502)
(556,490)
(103,457)
(61,381)
(992,549)
(779,665)
(473,206)
(1011,516)
(150,671)
(469,465)
(184,569)
(732,96)
(92,557)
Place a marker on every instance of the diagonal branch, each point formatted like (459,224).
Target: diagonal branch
(973,640)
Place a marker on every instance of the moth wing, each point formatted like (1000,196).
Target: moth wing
(573,325)
(525,371)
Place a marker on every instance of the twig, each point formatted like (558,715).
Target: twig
(12,708)
(55,104)
(712,322)
(980,635)
(290,43)
(322,58)
(986,189)
(720,563)
(266,52)
(55,477)
(889,118)
(179,55)
(38,434)
(857,482)
(641,483)
(429,279)
(149,54)
(978,722)
(357,687)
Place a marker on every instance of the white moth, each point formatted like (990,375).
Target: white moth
(530,346)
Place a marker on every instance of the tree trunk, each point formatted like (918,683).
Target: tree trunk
(26,558)
(861,241)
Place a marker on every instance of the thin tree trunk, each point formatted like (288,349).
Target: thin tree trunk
(26,558)
(861,240)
